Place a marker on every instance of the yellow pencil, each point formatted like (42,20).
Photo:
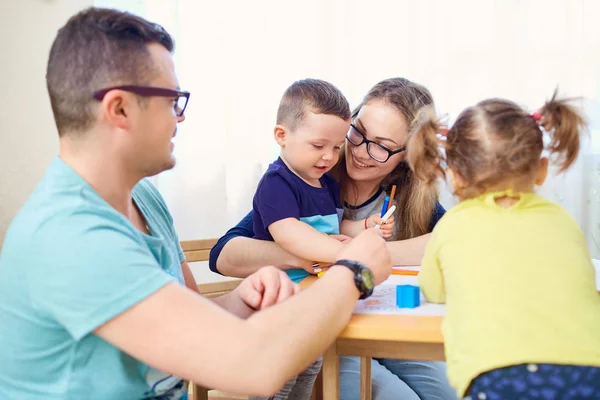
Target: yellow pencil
(404,272)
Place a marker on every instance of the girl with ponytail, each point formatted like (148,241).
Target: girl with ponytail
(523,313)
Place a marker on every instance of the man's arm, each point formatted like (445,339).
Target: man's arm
(254,356)
(266,287)
(245,299)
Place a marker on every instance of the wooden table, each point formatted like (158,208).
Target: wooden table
(406,337)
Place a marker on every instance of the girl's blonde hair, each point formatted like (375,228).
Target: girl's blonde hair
(493,142)
(415,200)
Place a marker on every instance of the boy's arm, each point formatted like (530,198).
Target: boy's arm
(277,201)
(243,256)
(237,254)
(431,279)
(304,241)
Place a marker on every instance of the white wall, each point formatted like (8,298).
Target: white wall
(28,138)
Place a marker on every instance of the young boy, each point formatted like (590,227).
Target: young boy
(297,201)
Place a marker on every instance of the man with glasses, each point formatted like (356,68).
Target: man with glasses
(92,296)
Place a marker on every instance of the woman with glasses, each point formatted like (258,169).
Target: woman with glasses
(373,160)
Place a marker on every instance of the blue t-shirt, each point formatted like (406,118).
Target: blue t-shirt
(282,194)
(70,263)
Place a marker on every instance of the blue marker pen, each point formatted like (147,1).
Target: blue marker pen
(386,202)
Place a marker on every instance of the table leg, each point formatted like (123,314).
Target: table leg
(365,378)
(331,374)
(317,393)
(199,393)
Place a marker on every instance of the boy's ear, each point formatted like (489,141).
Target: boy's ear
(280,133)
(542,172)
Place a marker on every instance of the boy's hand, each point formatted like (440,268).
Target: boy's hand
(316,267)
(386,229)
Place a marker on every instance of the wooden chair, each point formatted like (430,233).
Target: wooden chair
(199,250)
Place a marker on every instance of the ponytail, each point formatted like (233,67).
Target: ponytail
(424,149)
(564,122)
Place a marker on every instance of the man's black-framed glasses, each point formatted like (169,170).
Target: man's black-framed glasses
(180,98)
(375,150)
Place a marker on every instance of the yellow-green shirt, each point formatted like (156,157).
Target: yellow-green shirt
(519,286)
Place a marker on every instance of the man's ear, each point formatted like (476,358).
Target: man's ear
(281,133)
(116,108)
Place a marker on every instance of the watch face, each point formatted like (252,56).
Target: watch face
(367,276)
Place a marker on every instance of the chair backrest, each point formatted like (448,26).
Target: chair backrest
(197,250)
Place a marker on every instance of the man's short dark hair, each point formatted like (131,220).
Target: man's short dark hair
(311,95)
(98,48)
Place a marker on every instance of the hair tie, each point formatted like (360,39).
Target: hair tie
(536,116)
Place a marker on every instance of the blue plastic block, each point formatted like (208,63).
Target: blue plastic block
(408,296)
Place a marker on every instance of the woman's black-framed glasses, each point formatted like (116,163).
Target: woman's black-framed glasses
(375,150)
(180,97)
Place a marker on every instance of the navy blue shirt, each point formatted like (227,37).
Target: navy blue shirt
(281,194)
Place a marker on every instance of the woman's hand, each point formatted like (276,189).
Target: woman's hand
(386,228)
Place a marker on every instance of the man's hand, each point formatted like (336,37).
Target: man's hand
(342,238)
(371,250)
(265,287)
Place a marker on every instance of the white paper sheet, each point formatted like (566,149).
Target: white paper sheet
(383,300)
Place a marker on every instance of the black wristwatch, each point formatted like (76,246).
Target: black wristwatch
(363,277)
